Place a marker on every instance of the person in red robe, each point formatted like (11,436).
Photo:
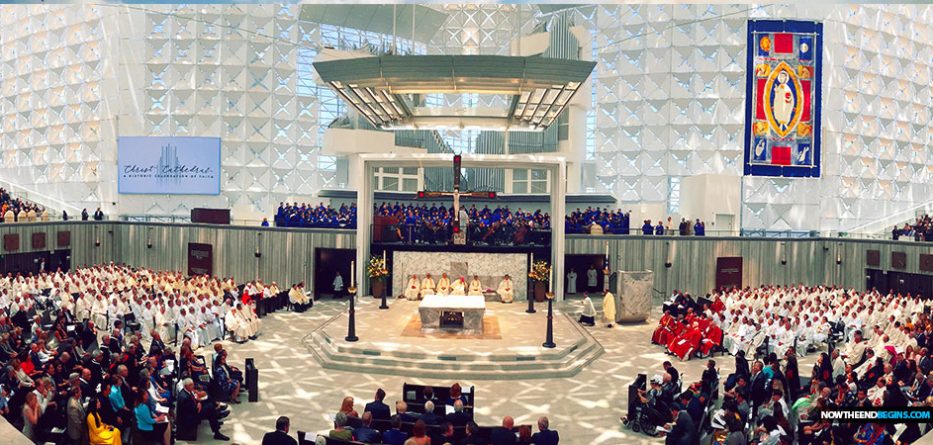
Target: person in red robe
(662,333)
(712,337)
(686,343)
(718,306)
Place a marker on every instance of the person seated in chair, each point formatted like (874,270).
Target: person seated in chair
(504,435)
(401,411)
(192,410)
(340,430)
(280,435)
(429,417)
(366,433)
(395,436)
(458,417)
(544,436)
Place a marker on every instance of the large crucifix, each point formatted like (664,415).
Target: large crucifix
(459,235)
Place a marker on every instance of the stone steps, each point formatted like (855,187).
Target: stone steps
(564,361)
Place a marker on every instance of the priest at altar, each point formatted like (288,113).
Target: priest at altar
(443,285)
(413,289)
(459,287)
(475,287)
(427,286)
(505,289)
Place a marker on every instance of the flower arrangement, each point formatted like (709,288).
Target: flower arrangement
(377,268)
(540,271)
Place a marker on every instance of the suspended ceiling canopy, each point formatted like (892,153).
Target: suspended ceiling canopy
(387,90)
(379,18)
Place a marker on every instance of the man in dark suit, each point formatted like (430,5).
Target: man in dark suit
(544,436)
(458,417)
(443,435)
(429,418)
(280,435)
(504,435)
(191,411)
(760,387)
(395,436)
(683,431)
(472,436)
(365,433)
(675,376)
(379,410)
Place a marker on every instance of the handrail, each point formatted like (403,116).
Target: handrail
(50,203)
(896,219)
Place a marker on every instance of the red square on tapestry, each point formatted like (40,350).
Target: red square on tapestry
(784,43)
(780,155)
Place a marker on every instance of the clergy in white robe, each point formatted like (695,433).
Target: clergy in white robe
(476,288)
(443,285)
(413,289)
(427,286)
(572,282)
(338,283)
(588,316)
(505,290)
(609,307)
(236,325)
(458,287)
(591,280)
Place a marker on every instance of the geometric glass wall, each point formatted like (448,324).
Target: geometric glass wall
(668,93)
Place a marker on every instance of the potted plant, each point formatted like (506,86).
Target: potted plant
(540,275)
(377,272)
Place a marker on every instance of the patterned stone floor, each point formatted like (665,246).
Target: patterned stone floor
(584,408)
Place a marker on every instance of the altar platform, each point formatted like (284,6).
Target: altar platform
(510,347)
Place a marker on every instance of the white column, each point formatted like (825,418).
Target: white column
(364,220)
(558,209)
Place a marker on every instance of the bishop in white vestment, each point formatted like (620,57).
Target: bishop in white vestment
(443,285)
(505,290)
(459,287)
(427,286)
(413,290)
(609,307)
(475,287)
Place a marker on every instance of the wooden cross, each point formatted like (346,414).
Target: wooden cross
(457,194)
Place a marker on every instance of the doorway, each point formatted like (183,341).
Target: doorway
(328,263)
(581,264)
(35,262)
(724,225)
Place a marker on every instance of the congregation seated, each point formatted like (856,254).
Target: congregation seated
(17,210)
(779,318)
(407,427)
(50,347)
(321,216)
(921,229)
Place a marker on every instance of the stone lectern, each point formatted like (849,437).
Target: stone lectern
(634,292)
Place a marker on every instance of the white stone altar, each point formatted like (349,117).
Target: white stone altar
(473,308)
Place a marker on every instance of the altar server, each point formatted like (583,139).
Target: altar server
(459,287)
(572,282)
(443,285)
(475,287)
(427,286)
(505,289)
(609,307)
(588,316)
(413,290)
(338,284)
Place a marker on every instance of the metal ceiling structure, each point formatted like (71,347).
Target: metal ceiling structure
(378,18)
(387,89)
